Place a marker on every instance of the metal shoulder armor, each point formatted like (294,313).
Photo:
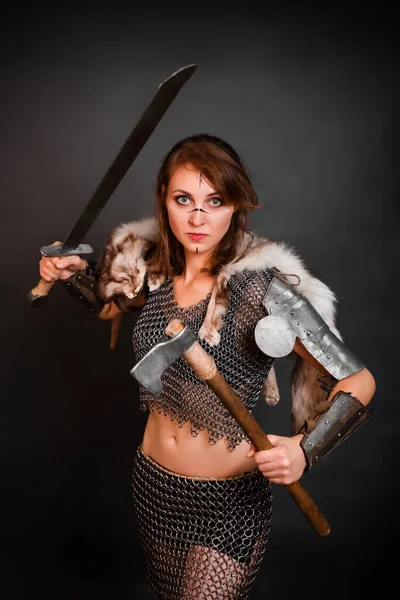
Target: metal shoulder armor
(291,316)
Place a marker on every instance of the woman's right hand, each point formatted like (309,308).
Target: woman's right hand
(60,267)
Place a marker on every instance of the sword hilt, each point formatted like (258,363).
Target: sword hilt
(143,129)
(38,294)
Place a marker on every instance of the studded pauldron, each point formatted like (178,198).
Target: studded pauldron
(294,316)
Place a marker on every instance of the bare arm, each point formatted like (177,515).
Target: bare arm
(286,462)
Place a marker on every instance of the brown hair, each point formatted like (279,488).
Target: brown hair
(220,164)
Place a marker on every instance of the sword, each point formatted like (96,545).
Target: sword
(144,127)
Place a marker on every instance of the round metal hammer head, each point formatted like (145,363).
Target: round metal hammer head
(150,369)
(274,336)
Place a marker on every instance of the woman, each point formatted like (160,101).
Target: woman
(201,491)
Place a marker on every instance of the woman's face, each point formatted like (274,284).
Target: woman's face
(198,216)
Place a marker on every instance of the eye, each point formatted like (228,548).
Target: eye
(184,200)
(215,201)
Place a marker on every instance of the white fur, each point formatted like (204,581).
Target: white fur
(146,228)
(264,253)
(261,254)
(271,255)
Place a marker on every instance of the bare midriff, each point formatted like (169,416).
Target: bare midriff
(176,449)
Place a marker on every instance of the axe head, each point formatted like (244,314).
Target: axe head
(150,369)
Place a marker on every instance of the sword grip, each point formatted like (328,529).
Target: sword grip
(39,293)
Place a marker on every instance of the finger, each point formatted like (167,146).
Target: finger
(273,477)
(276,480)
(66,262)
(273,471)
(48,262)
(63,262)
(266,456)
(48,275)
(48,269)
(51,265)
(274,439)
(251,451)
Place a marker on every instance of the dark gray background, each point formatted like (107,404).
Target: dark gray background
(310,99)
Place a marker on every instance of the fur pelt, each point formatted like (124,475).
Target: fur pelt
(123,271)
(122,268)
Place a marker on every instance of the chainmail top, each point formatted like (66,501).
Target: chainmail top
(185,397)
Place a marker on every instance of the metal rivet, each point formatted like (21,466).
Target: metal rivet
(327,422)
(285,306)
(328,356)
(308,332)
(339,434)
(292,312)
(315,341)
(276,302)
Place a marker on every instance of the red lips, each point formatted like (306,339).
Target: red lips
(197,236)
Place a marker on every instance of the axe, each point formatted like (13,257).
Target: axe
(181,341)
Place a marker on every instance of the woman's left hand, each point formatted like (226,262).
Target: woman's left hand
(283,464)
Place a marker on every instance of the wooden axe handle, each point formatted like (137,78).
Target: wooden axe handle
(204,367)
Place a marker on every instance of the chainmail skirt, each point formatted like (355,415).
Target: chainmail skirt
(202,537)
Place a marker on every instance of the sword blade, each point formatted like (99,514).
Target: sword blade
(144,127)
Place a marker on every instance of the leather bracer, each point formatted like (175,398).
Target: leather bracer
(333,422)
(83,287)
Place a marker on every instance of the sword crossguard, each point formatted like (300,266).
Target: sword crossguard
(38,295)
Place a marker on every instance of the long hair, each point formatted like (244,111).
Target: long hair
(220,164)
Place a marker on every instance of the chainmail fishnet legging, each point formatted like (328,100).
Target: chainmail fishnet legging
(203,538)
